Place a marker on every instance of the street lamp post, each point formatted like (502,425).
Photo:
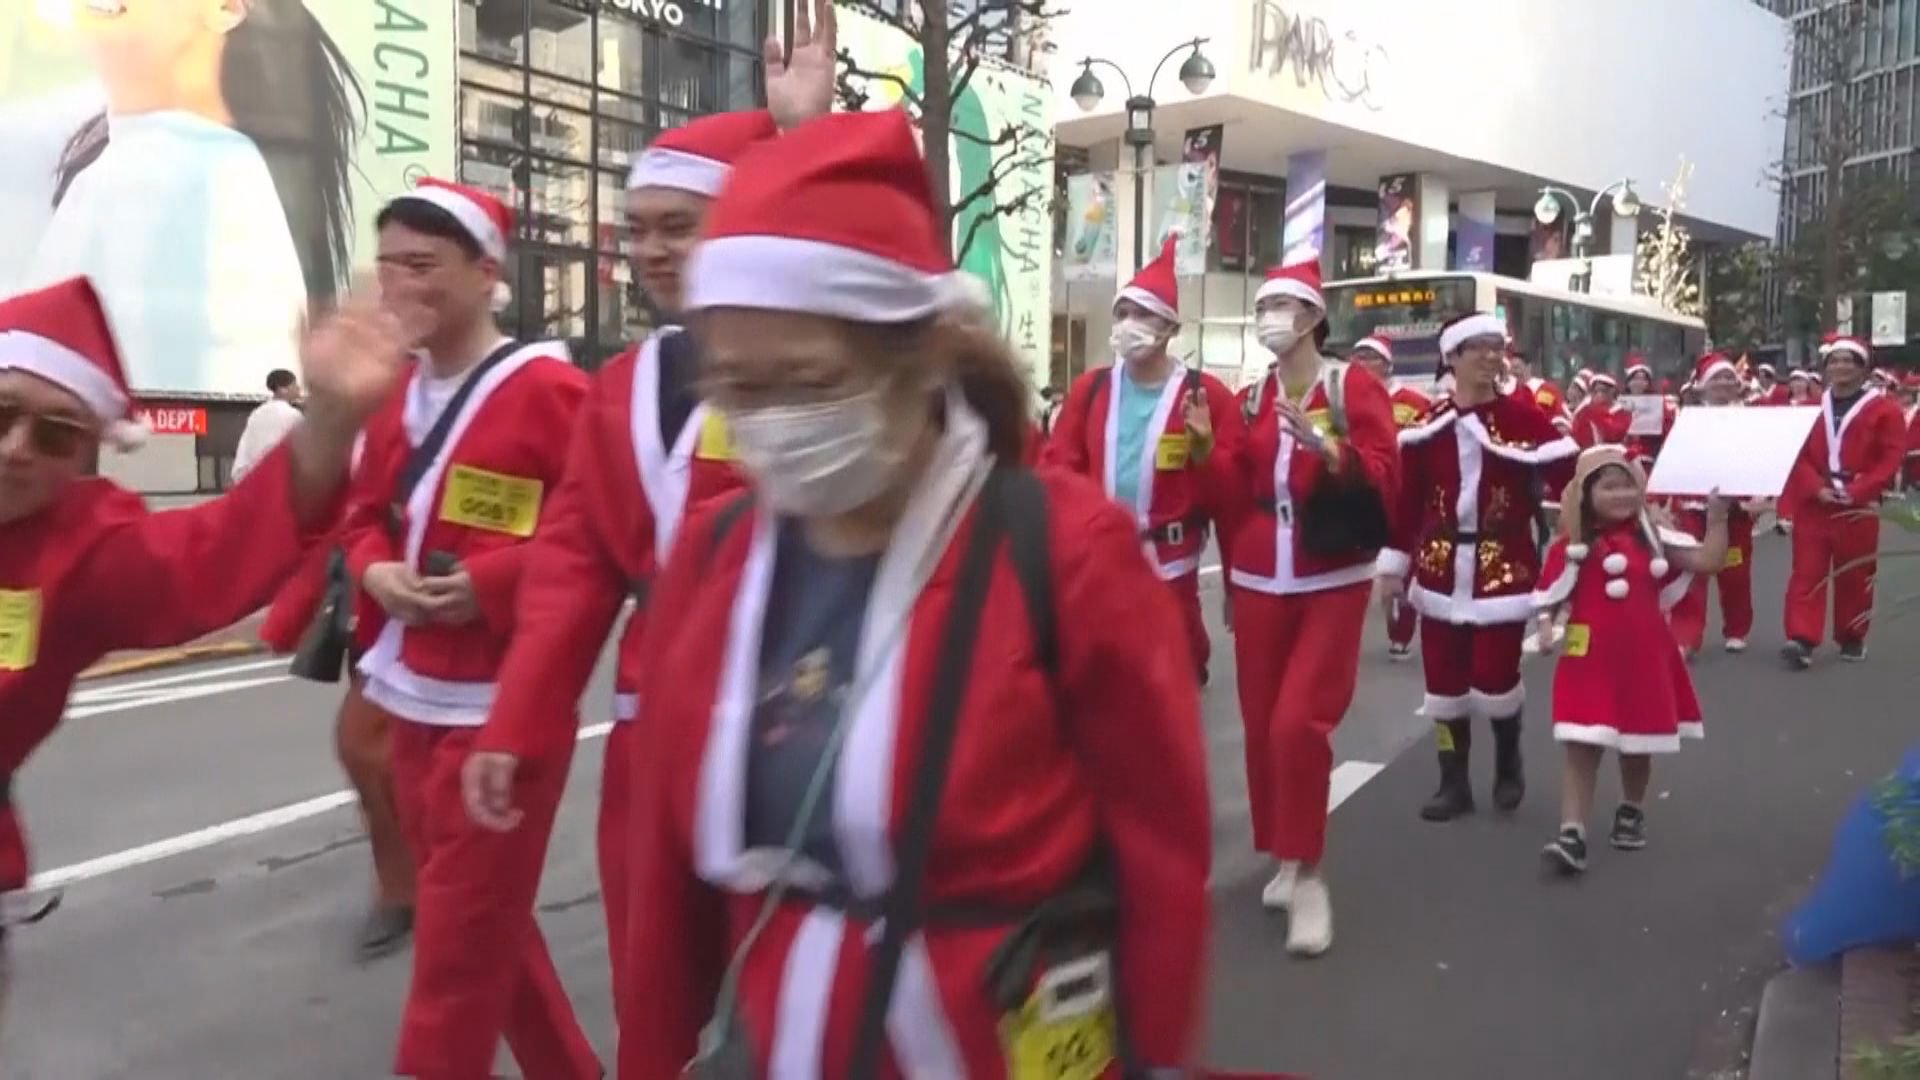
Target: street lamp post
(1547,211)
(1196,74)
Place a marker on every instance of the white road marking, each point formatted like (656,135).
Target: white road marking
(1348,778)
(142,699)
(250,825)
(122,689)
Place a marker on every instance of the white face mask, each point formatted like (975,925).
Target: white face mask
(816,460)
(1276,331)
(1135,339)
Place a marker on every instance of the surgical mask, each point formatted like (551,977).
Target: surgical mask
(1276,331)
(1135,339)
(816,460)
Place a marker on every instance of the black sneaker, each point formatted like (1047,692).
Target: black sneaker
(1568,852)
(1853,652)
(1797,655)
(1396,651)
(1629,828)
(383,933)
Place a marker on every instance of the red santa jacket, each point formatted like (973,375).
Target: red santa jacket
(1857,455)
(612,523)
(1912,469)
(1779,395)
(1595,424)
(1179,493)
(1548,398)
(1409,406)
(1481,474)
(1278,475)
(1041,777)
(96,572)
(480,500)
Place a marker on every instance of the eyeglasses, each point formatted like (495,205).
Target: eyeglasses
(51,436)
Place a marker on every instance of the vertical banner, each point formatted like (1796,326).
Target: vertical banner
(1473,243)
(1303,235)
(1200,154)
(1180,207)
(210,231)
(1012,253)
(1090,249)
(1435,226)
(1549,241)
(1393,238)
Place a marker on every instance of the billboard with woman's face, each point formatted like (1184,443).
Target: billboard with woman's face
(213,166)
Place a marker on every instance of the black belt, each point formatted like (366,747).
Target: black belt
(1173,532)
(1465,538)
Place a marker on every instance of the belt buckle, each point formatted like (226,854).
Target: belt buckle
(1175,532)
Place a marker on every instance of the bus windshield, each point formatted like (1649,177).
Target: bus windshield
(1408,314)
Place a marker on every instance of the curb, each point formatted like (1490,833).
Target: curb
(166,658)
(1797,1033)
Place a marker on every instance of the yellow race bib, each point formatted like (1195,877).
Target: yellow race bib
(19,628)
(1322,422)
(715,443)
(491,501)
(1734,558)
(1579,638)
(1403,415)
(1066,1029)
(1171,453)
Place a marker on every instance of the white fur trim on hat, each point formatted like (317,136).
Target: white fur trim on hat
(1473,326)
(1286,286)
(1604,379)
(54,362)
(1149,301)
(1847,344)
(677,169)
(1715,368)
(471,218)
(784,273)
(124,435)
(1377,344)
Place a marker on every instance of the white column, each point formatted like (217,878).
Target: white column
(1436,221)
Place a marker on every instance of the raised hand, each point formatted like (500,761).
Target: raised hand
(351,359)
(800,86)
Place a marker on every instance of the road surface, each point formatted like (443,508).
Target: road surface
(215,875)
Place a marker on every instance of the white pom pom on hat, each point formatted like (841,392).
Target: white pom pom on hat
(1660,567)
(1617,589)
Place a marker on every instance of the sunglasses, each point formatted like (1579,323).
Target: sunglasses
(51,436)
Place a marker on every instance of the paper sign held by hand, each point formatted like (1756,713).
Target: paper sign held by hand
(1744,452)
(1649,413)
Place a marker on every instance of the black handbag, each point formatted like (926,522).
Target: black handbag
(1344,514)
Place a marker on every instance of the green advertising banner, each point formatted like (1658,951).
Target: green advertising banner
(214,169)
(1012,254)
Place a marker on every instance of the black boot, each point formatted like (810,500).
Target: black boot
(1509,780)
(1455,796)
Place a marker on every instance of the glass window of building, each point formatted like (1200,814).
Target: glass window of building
(557,98)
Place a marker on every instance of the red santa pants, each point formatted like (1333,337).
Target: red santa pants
(1402,621)
(610,837)
(480,967)
(1186,590)
(362,738)
(1689,616)
(1471,670)
(1297,657)
(1826,538)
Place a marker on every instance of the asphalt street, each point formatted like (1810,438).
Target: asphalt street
(215,873)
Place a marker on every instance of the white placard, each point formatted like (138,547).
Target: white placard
(1889,318)
(1649,413)
(1747,452)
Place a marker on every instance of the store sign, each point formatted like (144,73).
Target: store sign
(1346,68)
(172,420)
(663,11)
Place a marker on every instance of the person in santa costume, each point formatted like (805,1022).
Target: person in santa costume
(1473,492)
(1719,382)
(1162,438)
(456,476)
(1619,684)
(1577,392)
(85,569)
(1848,461)
(1410,406)
(1910,408)
(1322,441)
(1768,389)
(873,755)
(1541,391)
(645,450)
(1640,381)
(1601,419)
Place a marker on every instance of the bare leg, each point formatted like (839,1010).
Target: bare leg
(1576,783)
(1636,772)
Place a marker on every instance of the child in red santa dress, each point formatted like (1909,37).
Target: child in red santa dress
(1621,683)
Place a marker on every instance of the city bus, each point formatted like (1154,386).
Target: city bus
(1561,332)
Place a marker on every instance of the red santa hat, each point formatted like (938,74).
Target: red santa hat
(1601,378)
(1378,344)
(1636,365)
(482,217)
(60,334)
(1583,378)
(1766,369)
(835,218)
(1834,343)
(698,155)
(1798,373)
(1465,329)
(1711,364)
(1816,378)
(1299,279)
(1155,287)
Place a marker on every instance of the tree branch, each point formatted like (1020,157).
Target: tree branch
(1017,205)
(849,70)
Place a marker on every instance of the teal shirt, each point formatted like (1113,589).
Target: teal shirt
(1136,404)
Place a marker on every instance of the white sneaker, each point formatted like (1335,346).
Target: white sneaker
(1530,645)
(1279,892)
(1310,919)
(1736,644)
